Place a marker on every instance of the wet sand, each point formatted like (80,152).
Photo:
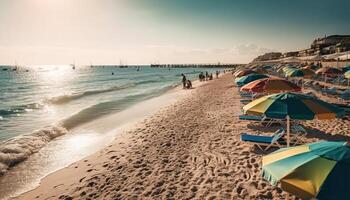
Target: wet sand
(187,150)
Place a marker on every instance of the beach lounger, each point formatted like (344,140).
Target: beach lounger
(245,101)
(251,117)
(267,122)
(246,95)
(265,142)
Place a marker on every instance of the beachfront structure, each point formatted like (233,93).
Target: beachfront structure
(332,40)
(320,46)
(327,45)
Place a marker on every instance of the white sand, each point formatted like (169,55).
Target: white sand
(189,150)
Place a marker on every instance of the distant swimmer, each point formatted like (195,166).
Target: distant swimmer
(112,73)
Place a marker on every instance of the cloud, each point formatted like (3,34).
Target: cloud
(252,49)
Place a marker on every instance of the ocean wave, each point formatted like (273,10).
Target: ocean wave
(19,148)
(70,97)
(147,81)
(20,109)
(109,107)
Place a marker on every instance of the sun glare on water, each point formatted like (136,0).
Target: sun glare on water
(56,75)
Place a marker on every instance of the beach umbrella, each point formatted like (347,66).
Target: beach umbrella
(266,67)
(240,81)
(292,106)
(318,170)
(299,73)
(346,69)
(329,71)
(259,69)
(347,74)
(312,67)
(270,85)
(308,72)
(244,72)
(291,72)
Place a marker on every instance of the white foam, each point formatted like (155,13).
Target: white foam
(19,148)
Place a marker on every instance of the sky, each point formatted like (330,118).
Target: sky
(34,32)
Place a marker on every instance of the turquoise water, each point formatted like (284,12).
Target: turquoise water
(49,94)
(52,116)
(40,103)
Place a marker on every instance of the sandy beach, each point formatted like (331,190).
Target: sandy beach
(190,149)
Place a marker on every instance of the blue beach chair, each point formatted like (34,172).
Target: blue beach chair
(265,142)
(251,117)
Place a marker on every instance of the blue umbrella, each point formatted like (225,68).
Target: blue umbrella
(249,78)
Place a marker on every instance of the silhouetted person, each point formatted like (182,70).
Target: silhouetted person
(188,84)
(183,81)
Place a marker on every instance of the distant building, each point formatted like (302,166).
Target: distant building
(330,40)
(331,44)
(307,52)
(320,46)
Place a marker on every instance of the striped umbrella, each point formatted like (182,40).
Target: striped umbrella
(347,74)
(299,73)
(292,72)
(259,70)
(292,106)
(317,170)
(244,72)
(240,81)
(270,85)
(346,69)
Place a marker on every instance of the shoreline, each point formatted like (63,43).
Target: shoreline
(104,128)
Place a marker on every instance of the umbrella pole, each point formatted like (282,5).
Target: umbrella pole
(288,131)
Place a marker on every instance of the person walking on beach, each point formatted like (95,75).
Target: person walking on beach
(183,81)
(217,74)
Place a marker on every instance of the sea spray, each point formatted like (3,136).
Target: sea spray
(19,148)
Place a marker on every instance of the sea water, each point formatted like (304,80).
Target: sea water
(41,105)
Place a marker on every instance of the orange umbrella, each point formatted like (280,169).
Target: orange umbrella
(270,85)
(329,71)
(244,72)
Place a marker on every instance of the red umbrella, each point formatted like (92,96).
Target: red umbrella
(329,71)
(270,85)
